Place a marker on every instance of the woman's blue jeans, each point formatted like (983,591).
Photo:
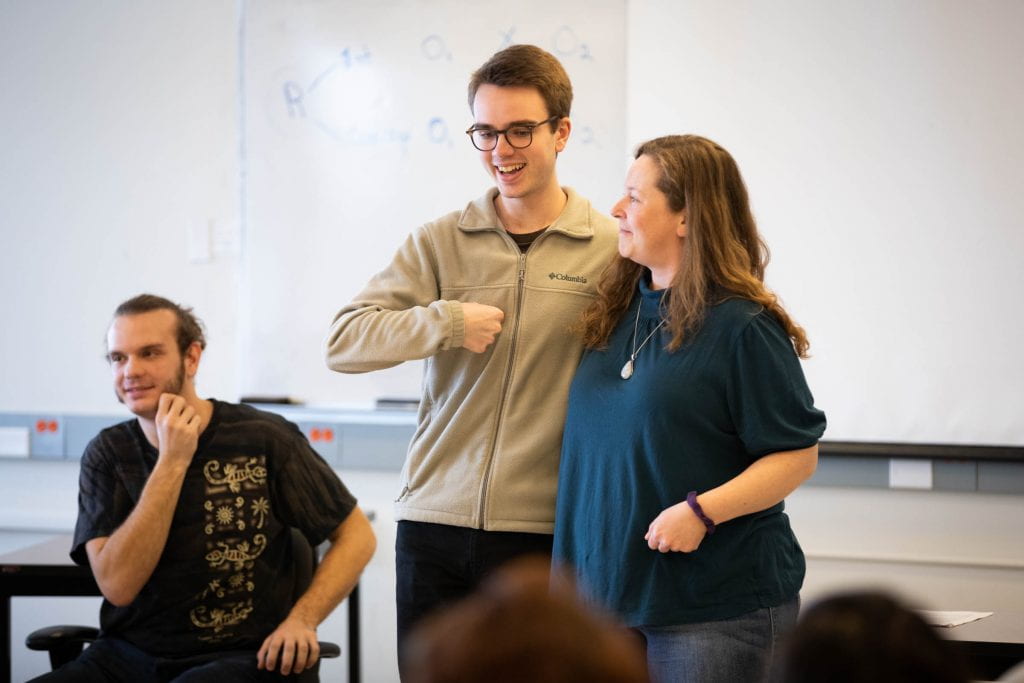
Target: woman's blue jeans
(735,650)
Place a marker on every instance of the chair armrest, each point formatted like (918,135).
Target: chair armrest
(63,643)
(53,636)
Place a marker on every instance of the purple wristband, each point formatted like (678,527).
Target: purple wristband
(691,500)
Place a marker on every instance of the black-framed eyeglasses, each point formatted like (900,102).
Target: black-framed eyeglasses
(518,136)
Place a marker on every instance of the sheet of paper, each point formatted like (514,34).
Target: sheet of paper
(950,619)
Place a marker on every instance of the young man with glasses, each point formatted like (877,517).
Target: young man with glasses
(488,296)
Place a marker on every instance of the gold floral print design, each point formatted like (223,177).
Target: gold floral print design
(241,555)
(239,581)
(225,515)
(236,508)
(234,475)
(213,588)
(260,510)
(219,618)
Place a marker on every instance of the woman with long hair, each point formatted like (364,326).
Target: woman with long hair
(689,422)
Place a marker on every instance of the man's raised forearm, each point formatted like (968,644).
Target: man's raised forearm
(123,562)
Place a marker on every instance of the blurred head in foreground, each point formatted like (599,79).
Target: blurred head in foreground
(866,637)
(523,624)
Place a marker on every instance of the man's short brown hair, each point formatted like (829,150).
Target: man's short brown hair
(190,328)
(531,67)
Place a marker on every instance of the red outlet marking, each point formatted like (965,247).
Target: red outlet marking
(328,435)
(314,434)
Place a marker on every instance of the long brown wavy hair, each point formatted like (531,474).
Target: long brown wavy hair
(724,257)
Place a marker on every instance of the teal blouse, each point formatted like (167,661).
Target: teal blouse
(685,421)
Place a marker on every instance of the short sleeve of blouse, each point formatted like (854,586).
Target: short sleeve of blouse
(771,404)
(308,494)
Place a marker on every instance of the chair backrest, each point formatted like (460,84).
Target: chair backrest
(305,558)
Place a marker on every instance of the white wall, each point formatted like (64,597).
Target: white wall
(943,550)
(882,147)
(119,151)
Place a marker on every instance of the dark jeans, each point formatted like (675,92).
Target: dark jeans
(724,651)
(437,564)
(112,660)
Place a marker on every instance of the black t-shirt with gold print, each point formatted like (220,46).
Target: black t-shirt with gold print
(225,579)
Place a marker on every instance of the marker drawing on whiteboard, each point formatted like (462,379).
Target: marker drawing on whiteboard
(437,132)
(347,58)
(321,76)
(352,57)
(433,48)
(354,136)
(587,136)
(506,37)
(567,44)
(293,100)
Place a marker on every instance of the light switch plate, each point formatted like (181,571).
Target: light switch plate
(14,442)
(905,473)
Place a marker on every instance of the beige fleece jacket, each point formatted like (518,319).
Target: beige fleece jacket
(486,449)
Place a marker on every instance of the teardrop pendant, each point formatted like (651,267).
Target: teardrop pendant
(627,369)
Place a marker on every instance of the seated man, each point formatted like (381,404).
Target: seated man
(185,516)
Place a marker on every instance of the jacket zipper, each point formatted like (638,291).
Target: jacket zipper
(504,386)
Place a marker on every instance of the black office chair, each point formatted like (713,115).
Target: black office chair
(65,643)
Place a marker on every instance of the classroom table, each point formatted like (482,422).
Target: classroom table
(991,645)
(44,569)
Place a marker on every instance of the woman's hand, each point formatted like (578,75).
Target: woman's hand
(676,529)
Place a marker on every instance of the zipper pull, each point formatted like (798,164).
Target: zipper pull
(403,494)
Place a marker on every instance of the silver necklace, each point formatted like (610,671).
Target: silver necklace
(627,369)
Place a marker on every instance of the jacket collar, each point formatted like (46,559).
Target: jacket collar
(574,221)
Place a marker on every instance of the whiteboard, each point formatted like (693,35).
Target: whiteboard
(352,117)
(882,145)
